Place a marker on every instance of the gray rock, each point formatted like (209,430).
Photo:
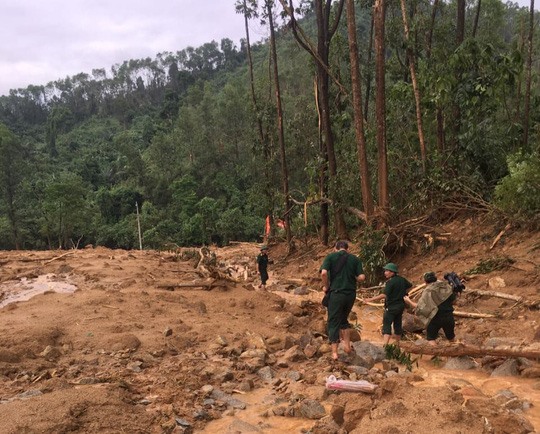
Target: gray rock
(228,399)
(460,363)
(284,320)
(266,373)
(301,290)
(294,375)
(311,409)
(366,348)
(509,368)
(240,426)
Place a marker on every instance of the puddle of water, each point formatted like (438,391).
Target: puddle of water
(25,289)
(258,402)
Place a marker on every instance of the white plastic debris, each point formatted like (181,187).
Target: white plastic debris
(332,383)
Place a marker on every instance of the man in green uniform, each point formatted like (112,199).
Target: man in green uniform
(262,265)
(394,296)
(340,271)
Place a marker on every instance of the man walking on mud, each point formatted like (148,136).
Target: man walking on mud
(340,271)
(262,266)
(394,296)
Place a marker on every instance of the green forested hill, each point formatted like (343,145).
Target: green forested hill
(180,136)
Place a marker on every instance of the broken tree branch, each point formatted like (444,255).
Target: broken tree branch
(495,294)
(58,257)
(473,314)
(456,350)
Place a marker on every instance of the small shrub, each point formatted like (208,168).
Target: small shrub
(486,266)
(518,193)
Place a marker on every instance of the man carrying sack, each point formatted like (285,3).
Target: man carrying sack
(435,308)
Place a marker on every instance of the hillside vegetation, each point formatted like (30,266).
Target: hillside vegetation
(198,152)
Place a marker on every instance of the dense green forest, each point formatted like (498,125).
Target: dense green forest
(351,115)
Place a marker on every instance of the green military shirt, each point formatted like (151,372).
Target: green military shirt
(262,261)
(345,281)
(395,289)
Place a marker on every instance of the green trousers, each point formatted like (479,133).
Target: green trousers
(339,308)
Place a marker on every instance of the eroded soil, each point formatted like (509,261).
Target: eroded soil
(125,353)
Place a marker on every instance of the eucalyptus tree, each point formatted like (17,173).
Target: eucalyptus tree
(526,111)
(411,60)
(249,9)
(328,19)
(367,198)
(379,12)
(280,129)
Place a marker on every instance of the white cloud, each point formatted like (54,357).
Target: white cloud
(50,39)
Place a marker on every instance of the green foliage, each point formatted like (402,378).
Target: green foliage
(372,243)
(518,193)
(181,136)
(393,352)
(486,266)
(67,213)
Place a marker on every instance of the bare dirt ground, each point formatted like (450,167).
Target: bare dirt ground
(109,347)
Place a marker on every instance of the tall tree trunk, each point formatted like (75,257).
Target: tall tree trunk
(519,86)
(368,64)
(281,134)
(460,22)
(323,175)
(527,108)
(460,36)
(476,18)
(325,32)
(380,107)
(440,129)
(431,27)
(324,36)
(367,199)
(260,130)
(416,91)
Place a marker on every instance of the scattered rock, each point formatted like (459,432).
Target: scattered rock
(311,409)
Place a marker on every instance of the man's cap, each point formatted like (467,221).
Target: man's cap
(391,267)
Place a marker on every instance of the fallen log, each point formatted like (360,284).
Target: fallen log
(473,314)
(495,294)
(417,289)
(456,312)
(456,350)
(58,257)
(171,286)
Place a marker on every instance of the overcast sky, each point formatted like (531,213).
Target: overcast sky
(45,40)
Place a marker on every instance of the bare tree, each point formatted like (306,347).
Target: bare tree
(527,108)
(281,134)
(476,18)
(367,199)
(368,75)
(380,106)
(248,8)
(325,31)
(412,69)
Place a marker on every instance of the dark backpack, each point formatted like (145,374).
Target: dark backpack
(455,282)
